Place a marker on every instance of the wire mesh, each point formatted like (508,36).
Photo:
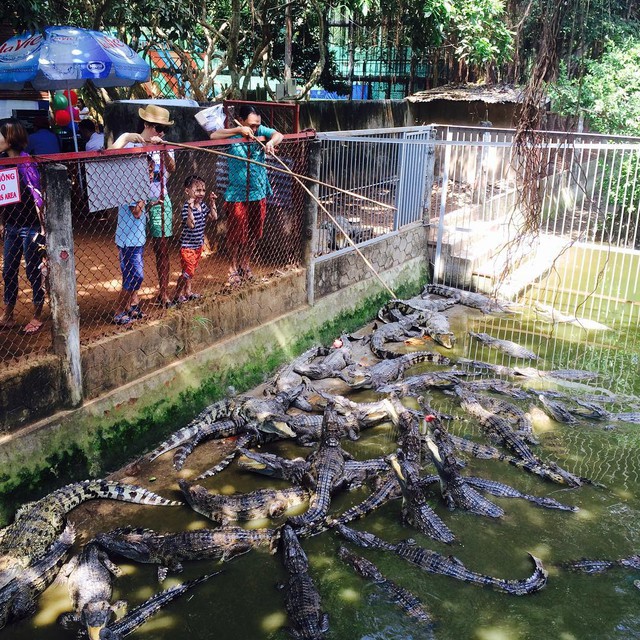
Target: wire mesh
(106,191)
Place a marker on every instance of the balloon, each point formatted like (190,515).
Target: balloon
(71,95)
(62,117)
(76,114)
(59,101)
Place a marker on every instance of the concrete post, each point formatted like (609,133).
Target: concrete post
(310,227)
(62,278)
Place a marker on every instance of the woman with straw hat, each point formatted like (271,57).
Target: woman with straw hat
(155,121)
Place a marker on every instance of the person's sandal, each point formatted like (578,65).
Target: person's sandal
(194,296)
(121,318)
(235,279)
(135,312)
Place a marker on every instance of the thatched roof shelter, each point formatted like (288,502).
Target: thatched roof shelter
(490,94)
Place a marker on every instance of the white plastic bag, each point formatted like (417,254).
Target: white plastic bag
(212,118)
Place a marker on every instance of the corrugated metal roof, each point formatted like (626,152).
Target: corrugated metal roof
(491,94)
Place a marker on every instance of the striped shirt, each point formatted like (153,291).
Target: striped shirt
(194,238)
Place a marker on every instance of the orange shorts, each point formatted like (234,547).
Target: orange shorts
(244,218)
(189,259)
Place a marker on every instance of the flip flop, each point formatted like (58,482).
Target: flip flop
(32,327)
(194,296)
(234,279)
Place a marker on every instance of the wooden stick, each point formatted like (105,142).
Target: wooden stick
(286,170)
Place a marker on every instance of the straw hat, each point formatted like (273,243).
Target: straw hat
(155,114)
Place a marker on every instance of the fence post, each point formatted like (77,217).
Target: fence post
(62,278)
(310,229)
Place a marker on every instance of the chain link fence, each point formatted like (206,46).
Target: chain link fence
(137,257)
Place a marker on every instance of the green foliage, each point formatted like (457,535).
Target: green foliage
(608,93)
(482,36)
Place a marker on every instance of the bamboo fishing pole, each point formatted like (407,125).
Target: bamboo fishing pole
(299,178)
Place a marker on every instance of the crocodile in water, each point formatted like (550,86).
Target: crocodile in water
(223,509)
(404,598)
(450,566)
(302,600)
(38,523)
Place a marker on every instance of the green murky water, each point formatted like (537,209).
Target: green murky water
(244,601)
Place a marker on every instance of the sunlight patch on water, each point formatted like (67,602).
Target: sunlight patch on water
(349,595)
(585,514)
(52,603)
(542,551)
(540,420)
(497,633)
(198,524)
(273,621)
(228,489)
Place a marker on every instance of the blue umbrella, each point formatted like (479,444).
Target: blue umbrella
(66,58)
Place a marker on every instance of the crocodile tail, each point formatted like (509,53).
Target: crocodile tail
(143,612)
(180,437)
(536,581)
(126,493)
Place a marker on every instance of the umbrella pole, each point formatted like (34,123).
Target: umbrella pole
(73,124)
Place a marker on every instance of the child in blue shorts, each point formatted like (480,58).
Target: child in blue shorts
(130,239)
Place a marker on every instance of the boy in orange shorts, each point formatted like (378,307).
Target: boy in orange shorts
(195,214)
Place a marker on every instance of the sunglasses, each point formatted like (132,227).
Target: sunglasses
(160,128)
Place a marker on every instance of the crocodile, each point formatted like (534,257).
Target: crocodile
(414,385)
(89,580)
(356,472)
(308,428)
(367,414)
(415,508)
(511,413)
(403,597)
(269,464)
(556,410)
(632,417)
(502,490)
(223,509)
(326,468)
(169,550)
(433,562)
(138,616)
(233,416)
(600,566)
(394,332)
(215,430)
(549,314)
(456,492)
(224,411)
(589,410)
(411,305)
(496,385)
(470,299)
(499,429)
(509,347)
(37,524)
(286,377)
(238,443)
(18,596)
(494,426)
(302,600)
(487,452)
(386,371)
(329,363)
(436,326)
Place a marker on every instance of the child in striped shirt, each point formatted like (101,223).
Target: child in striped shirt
(195,214)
